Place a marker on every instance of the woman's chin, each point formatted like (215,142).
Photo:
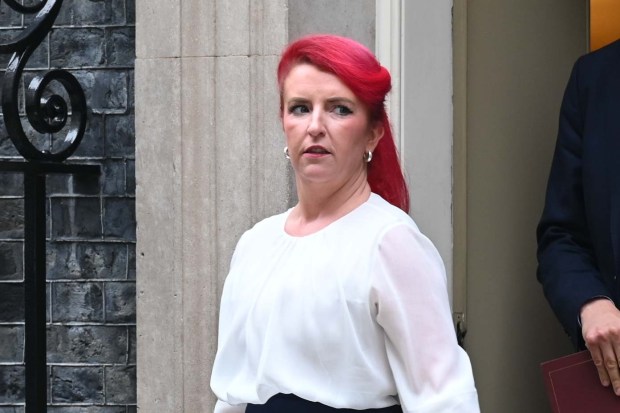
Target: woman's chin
(314,176)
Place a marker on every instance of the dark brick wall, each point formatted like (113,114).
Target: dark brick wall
(91,290)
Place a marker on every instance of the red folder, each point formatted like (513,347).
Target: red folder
(573,386)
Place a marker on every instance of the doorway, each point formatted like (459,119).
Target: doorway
(518,59)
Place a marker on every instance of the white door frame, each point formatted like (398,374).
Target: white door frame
(388,50)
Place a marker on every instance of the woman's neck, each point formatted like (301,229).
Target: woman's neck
(319,205)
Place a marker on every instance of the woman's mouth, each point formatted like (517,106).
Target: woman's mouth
(316,151)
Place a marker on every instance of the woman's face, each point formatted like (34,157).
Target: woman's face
(327,128)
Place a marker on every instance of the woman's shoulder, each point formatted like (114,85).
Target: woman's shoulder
(386,215)
(399,235)
(271,225)
(392,222)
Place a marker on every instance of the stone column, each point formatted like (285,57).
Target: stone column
(209,164)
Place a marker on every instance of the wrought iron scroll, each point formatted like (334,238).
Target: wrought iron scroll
(47,114)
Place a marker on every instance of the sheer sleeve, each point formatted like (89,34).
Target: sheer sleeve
(409,293)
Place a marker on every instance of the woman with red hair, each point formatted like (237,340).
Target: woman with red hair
(339,303)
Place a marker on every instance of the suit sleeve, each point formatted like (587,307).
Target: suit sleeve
(567,267)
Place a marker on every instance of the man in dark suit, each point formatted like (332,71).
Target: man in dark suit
(579,231)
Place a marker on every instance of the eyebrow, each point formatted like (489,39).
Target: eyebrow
(296,100)
(341,99)
(336,99)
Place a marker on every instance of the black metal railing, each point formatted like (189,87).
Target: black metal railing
(60,118)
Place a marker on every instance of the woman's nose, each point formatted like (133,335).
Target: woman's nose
(316,126)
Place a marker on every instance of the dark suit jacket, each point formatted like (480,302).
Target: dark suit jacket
(579,231)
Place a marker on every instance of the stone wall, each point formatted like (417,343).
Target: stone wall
(209,166)
(91,224)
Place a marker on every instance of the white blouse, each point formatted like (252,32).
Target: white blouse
(355,315)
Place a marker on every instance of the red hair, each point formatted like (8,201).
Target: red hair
(357,68)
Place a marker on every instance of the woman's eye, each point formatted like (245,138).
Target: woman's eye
(342,110)
(298,109)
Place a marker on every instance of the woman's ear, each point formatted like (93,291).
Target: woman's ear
(376,133)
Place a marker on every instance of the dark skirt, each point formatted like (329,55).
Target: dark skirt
(289,403)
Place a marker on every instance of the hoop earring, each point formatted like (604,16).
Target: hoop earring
(368,156)
(286,155)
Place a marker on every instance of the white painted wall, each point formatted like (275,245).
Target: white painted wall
(414,41)
(426,115)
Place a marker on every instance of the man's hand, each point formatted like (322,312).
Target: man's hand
(600,327)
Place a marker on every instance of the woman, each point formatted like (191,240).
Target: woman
(340,302)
